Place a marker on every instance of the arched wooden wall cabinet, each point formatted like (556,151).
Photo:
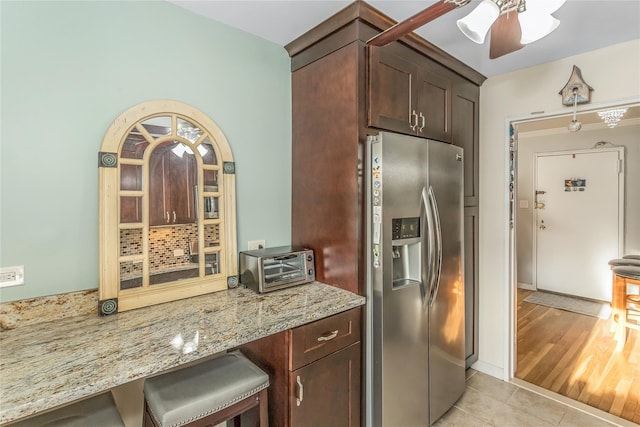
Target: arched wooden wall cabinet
(167,207)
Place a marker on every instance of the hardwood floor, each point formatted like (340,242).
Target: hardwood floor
(574,355)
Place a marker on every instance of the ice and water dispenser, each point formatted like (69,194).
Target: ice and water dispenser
(406,251)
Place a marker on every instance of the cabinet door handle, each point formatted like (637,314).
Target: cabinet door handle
(328,336)
(423,121)
(414,121)
(168,217)
(300,392)
(174,216)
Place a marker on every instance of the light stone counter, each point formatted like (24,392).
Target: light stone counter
(50,364)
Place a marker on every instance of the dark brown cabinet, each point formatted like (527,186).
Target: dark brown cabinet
(471,289)
(325,372)
(327,392)
(131,206)
(409,93)
(343,91)
(465,134)
(171,181)
(314,372)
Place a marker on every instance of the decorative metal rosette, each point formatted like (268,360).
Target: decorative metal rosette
(107,160)
(108,306)
(229,167)
(232,282)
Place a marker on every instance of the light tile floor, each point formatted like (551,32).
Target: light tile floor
(489,401)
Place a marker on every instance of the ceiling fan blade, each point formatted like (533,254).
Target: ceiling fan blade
(403,28)
(505,35)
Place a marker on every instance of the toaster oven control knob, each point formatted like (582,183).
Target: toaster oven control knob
(309,258)
(311,272)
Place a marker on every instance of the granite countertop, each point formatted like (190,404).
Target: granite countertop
(50,364)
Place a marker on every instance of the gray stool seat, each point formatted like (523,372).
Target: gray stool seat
(98,411)
(628,271)
(624,261)
(183,396)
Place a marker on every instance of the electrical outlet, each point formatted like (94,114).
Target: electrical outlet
(178,252)
(12,276)
(256,244)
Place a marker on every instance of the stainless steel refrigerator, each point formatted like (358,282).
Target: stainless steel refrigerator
(415,313)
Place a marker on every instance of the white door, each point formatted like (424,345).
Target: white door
(579,220)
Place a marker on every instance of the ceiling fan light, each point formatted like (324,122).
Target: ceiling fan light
(535,26)
(477,23)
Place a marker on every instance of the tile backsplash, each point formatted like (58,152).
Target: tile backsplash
(163,241)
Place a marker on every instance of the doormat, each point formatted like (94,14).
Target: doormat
(576,305)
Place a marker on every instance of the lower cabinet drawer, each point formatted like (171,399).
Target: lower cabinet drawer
(315,340)
(327,391)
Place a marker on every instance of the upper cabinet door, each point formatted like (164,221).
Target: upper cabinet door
(433,101)
(172,179)
(409,93)
(391,90)
(465,134)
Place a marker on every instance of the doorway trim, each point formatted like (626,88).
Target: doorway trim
(510,284)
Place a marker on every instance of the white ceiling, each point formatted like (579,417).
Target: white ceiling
(585,25)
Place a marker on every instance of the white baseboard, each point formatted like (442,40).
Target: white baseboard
(489,369)
(527,286)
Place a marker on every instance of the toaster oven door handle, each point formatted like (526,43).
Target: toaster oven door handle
(328,336)
(285,257)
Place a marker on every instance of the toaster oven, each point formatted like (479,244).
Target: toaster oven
(270,269)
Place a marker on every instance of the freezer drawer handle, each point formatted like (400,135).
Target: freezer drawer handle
(328,336)
(300,393)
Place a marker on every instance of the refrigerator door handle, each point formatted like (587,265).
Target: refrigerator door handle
(437,250)
(428,245)
(425,249)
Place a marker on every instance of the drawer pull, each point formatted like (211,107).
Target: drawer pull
(328,336)
(300,394)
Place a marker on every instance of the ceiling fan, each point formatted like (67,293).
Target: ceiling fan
(513,23)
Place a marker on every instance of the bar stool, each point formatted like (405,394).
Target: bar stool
(96,411)
(626,306)
(625,261)
(206,394)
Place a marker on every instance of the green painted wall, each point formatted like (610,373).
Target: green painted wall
(68,69)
